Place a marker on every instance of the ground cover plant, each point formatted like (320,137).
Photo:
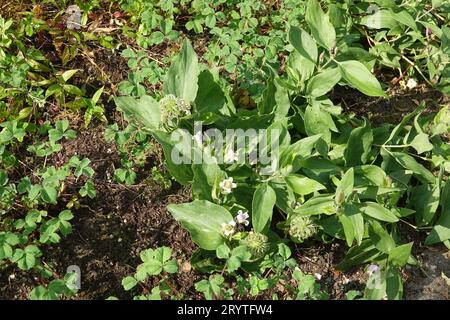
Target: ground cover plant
(224,149)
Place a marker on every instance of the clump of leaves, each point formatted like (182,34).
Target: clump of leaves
(343,178)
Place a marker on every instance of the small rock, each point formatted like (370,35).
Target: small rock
(186,267)
(411,84)
(73,20)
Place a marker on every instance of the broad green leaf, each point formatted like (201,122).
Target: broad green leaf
(262,207)
(441,230)
(320,25)
(302,148)
(318,121)
(348,229)
(370,174)
(405,18)
(394,284)
(353,224)
(129,283)
(303,185)
(322,83)
(203,220)
(424,200)
(182,77)
(285,195)
(163,254)
(323,204)
(49,194)
(346,184)
(223,251)
(275,100)
(205,177)
(3,178)
(357,255)
(69,74)
(97,95)
(303,43)
(408,162)
(357,75)
(379,19)
(421,143)
(357,220)
(318,169)
(177,145)
(380,237)
(153,267)
(210,97)
(399,256)
(66,215)
(359,145)
(379,212)
(145,110)
(299,67)
(73,90)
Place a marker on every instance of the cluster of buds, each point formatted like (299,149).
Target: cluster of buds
(257,243)
(301,228)
(172,108)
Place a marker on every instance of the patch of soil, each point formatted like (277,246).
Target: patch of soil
(431,281)
(110,230)
(381,110)
(320,260)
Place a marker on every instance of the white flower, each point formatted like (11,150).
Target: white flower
(411,84)
(198,137)
(318,276)
(242,218)
(227,185)
(230,156)
(228,228)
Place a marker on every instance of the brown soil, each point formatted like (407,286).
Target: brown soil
(381,110)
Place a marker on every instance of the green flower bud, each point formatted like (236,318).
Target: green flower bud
(172,108)
(339,199)
(301,228)
(387,181)
(257,243)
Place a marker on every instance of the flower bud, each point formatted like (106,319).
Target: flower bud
(257,243)
(301,228)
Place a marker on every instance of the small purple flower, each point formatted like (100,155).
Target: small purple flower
(428,32)
(373,268)
(242,218)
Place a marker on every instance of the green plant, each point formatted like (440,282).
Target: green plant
(155,262)
(30,220)
(134,148)
(56,289)
(336,169)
